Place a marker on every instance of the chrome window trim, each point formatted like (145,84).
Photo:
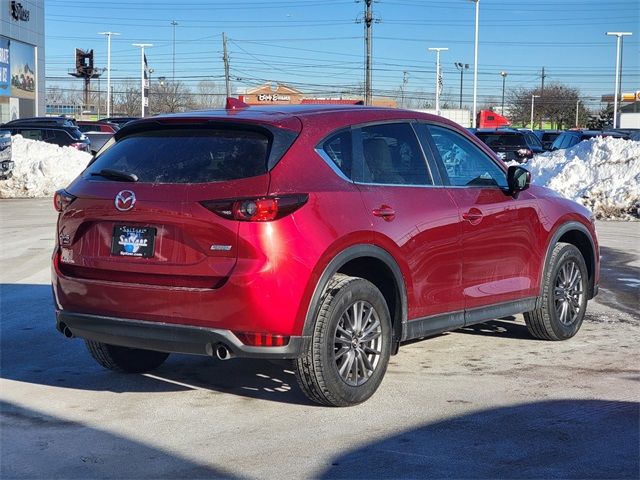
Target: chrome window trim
(327,159)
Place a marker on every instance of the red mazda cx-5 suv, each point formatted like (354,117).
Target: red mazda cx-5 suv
(327,235)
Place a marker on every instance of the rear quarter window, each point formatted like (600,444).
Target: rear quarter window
(187,155)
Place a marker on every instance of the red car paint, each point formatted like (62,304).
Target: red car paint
(455,248)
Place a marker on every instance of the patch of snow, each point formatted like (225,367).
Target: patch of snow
(602,173)
(41,168)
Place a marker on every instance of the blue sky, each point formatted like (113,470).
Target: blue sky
(318,47)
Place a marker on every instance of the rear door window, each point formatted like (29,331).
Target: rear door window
(31,134)
(391,155)
(187,155)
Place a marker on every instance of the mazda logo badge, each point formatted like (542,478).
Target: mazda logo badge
(125,200)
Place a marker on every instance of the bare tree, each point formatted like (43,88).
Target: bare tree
(557,106)
(169,97)
(209,94)
(126,99)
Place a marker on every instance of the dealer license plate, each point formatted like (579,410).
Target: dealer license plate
(131,241)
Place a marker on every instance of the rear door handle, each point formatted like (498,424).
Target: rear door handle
(473,216)
(385,212)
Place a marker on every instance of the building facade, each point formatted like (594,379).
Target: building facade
(22,84)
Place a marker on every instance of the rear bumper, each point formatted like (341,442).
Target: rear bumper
(168,337)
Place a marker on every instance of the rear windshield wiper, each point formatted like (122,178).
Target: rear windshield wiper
(116,175)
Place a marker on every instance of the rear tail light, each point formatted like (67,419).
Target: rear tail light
(262,209)
(62,199)
(263,339)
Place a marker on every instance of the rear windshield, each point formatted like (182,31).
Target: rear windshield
(493,140)
(550,137)
(187,155)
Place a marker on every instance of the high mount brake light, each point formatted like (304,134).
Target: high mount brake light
(62,199)
(261,209)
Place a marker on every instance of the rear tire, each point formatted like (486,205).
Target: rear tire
(350,346)
(124,359)
(564,296)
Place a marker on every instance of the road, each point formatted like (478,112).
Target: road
(483,402)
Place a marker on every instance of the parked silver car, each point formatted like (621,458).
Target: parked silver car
(6,163)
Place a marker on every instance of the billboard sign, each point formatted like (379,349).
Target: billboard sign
(23,71)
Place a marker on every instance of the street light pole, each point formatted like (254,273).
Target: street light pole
(618,36)
(577,110)
(108,34)
(174,24)
(142,82)
(533,97)
(504,78)
(438,50)
(462,67)
(475,65)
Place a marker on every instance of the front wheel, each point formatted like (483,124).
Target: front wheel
(564,296)
(350,346)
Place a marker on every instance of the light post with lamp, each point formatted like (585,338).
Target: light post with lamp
(533,97)
(504,78)
(461,67)
(618,36)
(108,34)
(475,66)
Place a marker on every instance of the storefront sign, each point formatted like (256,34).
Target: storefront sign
(18,12)
(274,97)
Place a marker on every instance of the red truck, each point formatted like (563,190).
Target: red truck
(490,119)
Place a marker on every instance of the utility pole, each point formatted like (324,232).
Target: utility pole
(438,77)
(542,77)
(225,58)
(577,110)
(368,20)
(462,67)
(173,77)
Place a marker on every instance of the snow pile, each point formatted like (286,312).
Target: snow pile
(41,168)
(602,174)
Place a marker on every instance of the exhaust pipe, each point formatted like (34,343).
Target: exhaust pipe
(223,353)
(66,331)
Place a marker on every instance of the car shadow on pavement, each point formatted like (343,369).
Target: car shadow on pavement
(33,351)
(502,327)
(551,439)
(39,445)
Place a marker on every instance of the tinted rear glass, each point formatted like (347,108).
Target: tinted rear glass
(493,140)
(549,137)
(187,155)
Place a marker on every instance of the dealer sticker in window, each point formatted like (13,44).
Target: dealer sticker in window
(133,241)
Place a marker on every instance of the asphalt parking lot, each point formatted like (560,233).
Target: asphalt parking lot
(483,402)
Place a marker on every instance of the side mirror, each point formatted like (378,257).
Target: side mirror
(518,179)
